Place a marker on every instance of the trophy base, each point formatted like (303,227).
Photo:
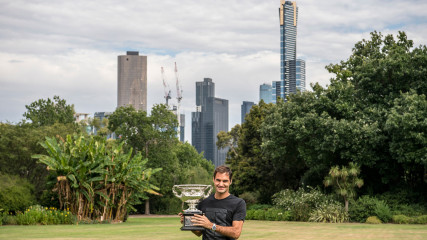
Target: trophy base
(192,228)
(187,224)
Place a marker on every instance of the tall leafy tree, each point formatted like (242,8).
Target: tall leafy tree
(47,112)
(17,144)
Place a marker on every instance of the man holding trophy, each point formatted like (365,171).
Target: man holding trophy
(219,216)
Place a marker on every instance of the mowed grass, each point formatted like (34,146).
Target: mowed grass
(167,228)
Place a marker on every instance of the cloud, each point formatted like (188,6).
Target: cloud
(70,48)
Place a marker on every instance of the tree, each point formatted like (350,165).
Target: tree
(345,181)
(407,127)
(19,142)
(96,182)
(47,112)
(372,114)
(153,136)
(246,158)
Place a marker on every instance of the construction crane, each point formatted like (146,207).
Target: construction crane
(166,88)
(178,97)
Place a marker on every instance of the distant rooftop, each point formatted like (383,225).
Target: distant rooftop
(132,53)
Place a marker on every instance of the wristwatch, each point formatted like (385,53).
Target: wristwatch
(214,227)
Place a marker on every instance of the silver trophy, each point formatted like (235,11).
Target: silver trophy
(191,194)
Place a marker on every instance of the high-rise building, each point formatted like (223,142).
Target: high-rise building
(210,118)
(288,15)
(265,93)
(246,108)
(300,75)
(132,81)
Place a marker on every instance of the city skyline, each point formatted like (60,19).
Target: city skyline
(69,48)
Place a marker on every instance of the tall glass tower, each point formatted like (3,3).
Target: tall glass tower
(288,84)
(265,93)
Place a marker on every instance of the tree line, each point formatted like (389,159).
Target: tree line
(373,114)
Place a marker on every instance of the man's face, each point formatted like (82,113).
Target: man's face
(222,182)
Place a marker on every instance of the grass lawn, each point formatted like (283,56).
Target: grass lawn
(168,228)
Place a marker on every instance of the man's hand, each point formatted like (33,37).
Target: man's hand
(202,221)
(181,216)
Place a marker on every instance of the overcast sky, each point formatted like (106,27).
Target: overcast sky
(70,48)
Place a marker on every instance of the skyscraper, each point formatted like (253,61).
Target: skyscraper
(265,93)
(288,15)
(132,81)
(300,75)
(210,118)
(246,108)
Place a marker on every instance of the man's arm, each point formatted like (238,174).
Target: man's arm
(233,231)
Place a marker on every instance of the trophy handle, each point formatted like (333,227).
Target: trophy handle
(209,192)
(174,188)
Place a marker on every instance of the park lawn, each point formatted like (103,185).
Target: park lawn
(168,228)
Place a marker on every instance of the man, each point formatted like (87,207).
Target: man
(223,212)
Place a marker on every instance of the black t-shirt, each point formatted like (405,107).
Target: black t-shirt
(222,212)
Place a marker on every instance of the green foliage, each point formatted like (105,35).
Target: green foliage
(400,219)
(250,198)
(247,160)
(411,210)
(345,181)
(367,206)
(48,112)
(259,206)
(45,216)
(15,193)
(96,182)
(373,220)
(383,212)
(269,214)
(259,214)
(420,219)
(373,114)
(329,213)
(301,202)
(19,142)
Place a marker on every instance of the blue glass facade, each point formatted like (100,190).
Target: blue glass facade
(246,108)
(210,118)
(265,93)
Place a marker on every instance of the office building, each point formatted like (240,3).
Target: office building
(210,118)
(132,81)
(288,16)
(300,75)
(246,108)
(265,93)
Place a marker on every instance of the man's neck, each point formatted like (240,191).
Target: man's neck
(220,196)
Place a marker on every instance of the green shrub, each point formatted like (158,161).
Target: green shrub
(250,214)
(9,219)
(362,208)
(259,214)
(45,216)
(260,206)
(401,219)
(420,219)
(272,214)
(301,202)
(411,210)
(15,193)
(373,220)
(383,212)
(250,197)
(329,213)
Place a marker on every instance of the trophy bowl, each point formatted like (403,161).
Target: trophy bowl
(191,194)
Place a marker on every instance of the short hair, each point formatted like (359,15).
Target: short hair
(223,169)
